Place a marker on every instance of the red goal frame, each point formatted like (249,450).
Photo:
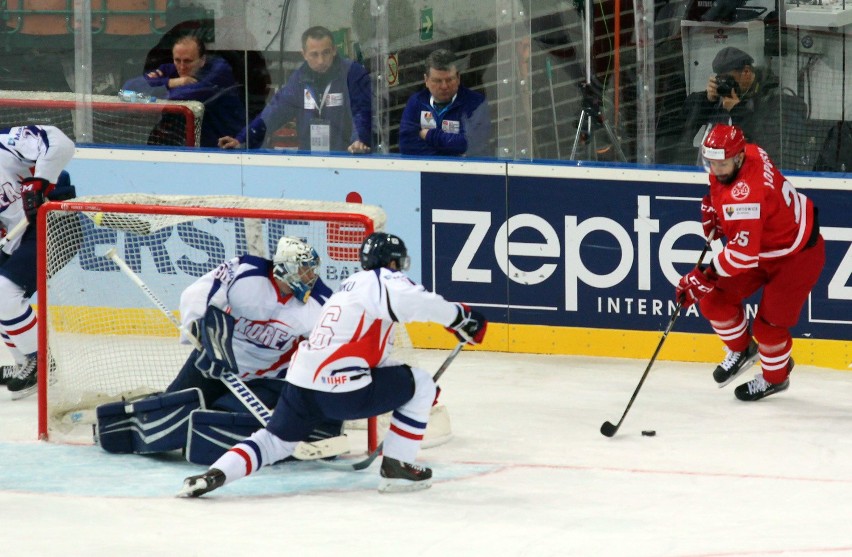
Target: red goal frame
(41,269)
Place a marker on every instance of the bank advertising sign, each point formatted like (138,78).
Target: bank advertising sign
(570,252)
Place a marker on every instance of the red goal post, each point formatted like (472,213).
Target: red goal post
(113,120)
(100,338)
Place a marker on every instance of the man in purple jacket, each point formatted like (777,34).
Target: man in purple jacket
(329,97)
(194,76)
(446,118)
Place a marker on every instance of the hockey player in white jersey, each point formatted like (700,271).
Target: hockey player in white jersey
(343,371)
(32,159)
(274,305)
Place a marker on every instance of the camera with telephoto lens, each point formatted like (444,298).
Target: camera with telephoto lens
(725,84)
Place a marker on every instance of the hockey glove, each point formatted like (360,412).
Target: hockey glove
(710,219)
(33,194)
(695,285)
(469,326)
(216,356)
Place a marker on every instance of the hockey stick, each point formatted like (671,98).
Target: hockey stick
(17,230)
(324,448)
(365,463)
(607,428)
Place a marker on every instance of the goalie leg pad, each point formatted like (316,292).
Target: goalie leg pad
(211,434)
(154,424)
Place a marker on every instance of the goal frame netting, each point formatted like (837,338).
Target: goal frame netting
(34,104)
(57,419)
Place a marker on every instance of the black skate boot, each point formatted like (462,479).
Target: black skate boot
(734,364)
(758,387)
(7,372)
(398,476)
(24,382)
(195,486)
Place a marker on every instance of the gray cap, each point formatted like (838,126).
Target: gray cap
(731,58)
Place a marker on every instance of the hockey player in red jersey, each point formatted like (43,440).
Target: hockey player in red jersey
(773,242)
(343,372)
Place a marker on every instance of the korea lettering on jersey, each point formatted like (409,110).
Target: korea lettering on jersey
(268,326)
(758,196)
(27,151)
(355,331)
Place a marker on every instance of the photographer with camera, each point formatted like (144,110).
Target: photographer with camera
(752,99)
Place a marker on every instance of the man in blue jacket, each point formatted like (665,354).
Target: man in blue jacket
(195,76)
(447,118)
(328,95)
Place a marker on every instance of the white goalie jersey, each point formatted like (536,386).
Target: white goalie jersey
(268,324)
(356,329)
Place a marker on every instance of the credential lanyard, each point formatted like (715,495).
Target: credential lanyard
(322,101)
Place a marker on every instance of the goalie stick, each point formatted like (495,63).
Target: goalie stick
(325,448)
(607,428)
(365,463)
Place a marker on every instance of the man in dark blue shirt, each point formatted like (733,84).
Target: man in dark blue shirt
(328,95)
(447,118)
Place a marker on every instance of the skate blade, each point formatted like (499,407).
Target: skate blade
(24,393)
(389,485)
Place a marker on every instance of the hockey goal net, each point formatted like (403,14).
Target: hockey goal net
(114,121)
(101,338)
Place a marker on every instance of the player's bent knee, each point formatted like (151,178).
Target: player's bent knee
(155,424)
(768,334)
(424,394)
(212,433)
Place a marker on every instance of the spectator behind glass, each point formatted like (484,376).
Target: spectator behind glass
(328,95)
(752,99)
(195,76)
(447,118)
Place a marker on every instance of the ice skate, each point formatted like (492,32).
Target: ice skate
(7,373)
(734,364)
(195,486)
(759,388)
(399,477)
(25,379)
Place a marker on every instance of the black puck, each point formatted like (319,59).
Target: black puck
(649,433)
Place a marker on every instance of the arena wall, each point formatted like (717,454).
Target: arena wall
(576,258)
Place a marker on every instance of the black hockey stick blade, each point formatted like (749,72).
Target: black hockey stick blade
(608,430)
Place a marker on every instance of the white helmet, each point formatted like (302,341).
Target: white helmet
(291,256)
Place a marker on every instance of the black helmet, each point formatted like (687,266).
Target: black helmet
(380,248)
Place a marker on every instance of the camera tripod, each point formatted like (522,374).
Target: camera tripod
(590,118)
(590,115)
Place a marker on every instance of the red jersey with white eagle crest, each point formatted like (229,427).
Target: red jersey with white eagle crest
(761,214)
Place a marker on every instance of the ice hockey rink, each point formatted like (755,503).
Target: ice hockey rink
(527,474)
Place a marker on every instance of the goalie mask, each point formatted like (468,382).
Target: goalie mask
(296,264)
(380,248)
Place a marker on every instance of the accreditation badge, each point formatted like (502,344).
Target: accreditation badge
(320,136)
(451,126)
(427,120)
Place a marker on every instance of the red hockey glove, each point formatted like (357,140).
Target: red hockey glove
(469,326)
(33,194)
(695,285)
(709,219)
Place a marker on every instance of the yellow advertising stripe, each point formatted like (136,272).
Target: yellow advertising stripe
(619,343)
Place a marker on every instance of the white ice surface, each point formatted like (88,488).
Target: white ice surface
(527,474)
